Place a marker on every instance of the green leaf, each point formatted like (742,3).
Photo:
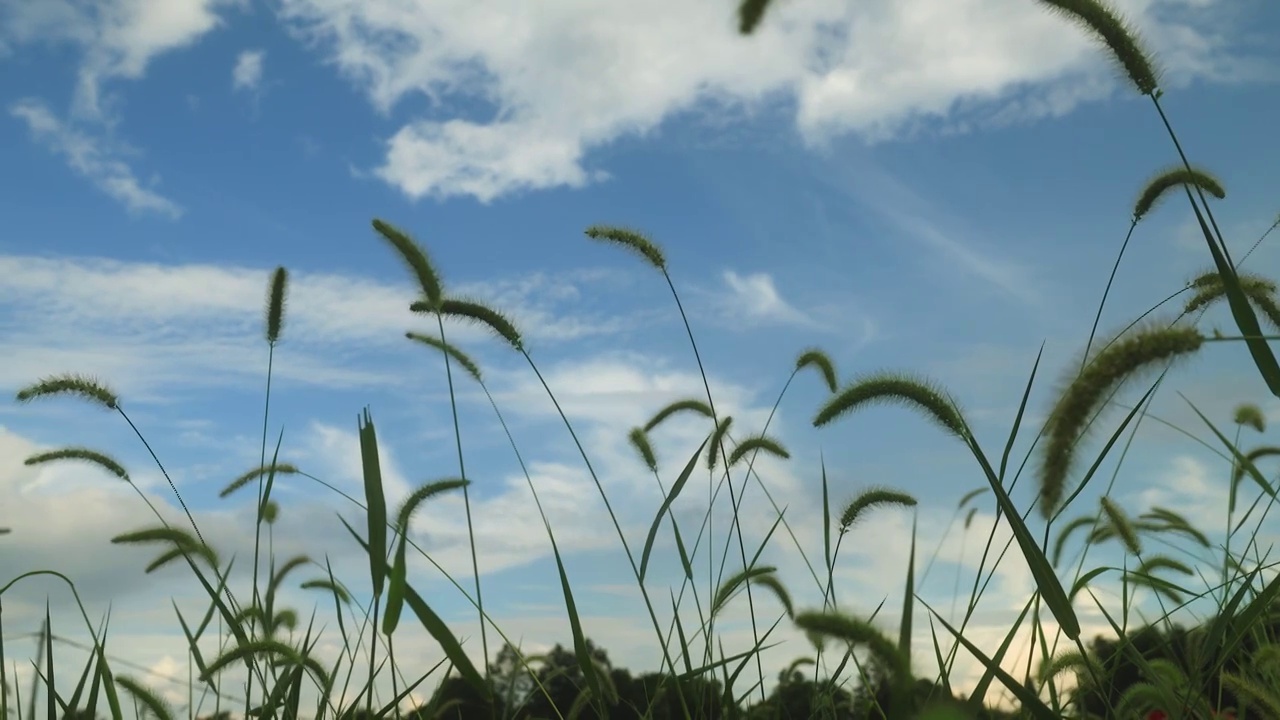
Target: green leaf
(904,632)
(1046,580)
(1241,310)
(376,503)
(979,693)
(431,623)
(395,591)
(1028,699)
(671,497)
(585,663)
(271,478)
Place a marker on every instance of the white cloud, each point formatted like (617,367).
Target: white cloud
(150,327)
(459,157)
(574,75)
(247,73)
(753,297)
(96,159)
(119,38)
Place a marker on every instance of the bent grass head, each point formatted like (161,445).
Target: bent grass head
(1121,360)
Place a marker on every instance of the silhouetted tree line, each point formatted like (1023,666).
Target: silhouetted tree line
(1202,662)
(557,684)
(796,696)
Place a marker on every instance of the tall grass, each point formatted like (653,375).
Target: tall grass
(1231,663)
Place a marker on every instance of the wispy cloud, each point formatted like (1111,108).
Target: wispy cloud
(755,299)
(943,239)
(97,159)
(118,38)
(247,73)
(153,326)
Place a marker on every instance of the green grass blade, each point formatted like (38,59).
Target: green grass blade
(1242,311)
(92,703)
(732,678)
(700,671)
(943,677)
(826,524)
(1030,703)
(1046,580)
(1240,458)
(191,639)
(271,478)
(1017,421)
(84,677)
(684,641)
(108,680)
(51,707)
(4,676)
(685,563)
(395,590)
(585,663)
(666,503)
(376,503)
(908,597)
(979,693)
(1249,621)
(433,625)
(1084,579)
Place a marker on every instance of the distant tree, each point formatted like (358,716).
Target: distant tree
(657,693)
(511,680)
(873,699)
(561,681)
(457,699)
(797,696)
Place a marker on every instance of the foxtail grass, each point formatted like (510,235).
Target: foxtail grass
(1162,553)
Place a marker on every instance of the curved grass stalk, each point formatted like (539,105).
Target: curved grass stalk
(640,244)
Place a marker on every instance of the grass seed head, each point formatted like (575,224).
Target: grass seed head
(93,457)
(1251,415)
(1105,24)
(632,240)
(421,495)
(750,13)
(688,405)
(641,443)
(1172,178)
(757,442)
(457,355)
(1122,526)
(822,362)
(859,632)
(1259,290)
(1118,362)
(717,437)
(481,314)
(69,384)
(415,258)
(894,387)
(872,497)
(250,475)
(275,304)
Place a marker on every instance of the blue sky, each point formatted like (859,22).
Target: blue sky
(941,207)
